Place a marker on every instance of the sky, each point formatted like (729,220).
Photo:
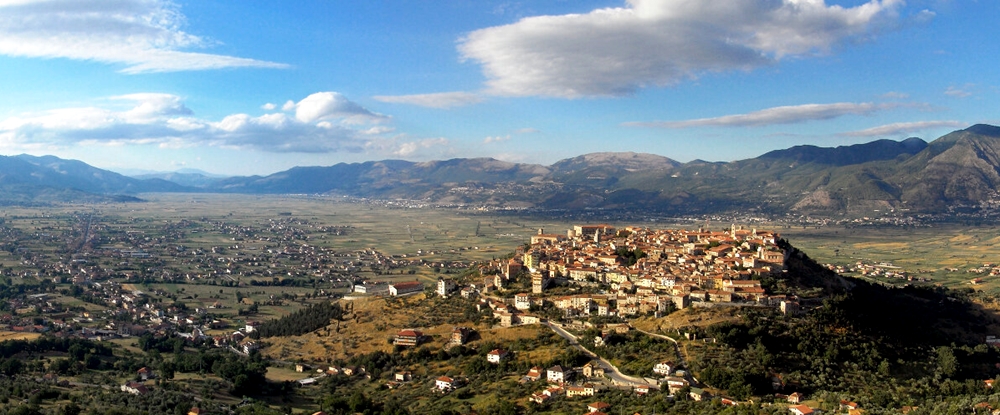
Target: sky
(249,87)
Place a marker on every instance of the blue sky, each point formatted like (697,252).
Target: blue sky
(246,87)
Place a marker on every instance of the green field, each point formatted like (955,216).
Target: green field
(393,230)
(948,254)
(428,238)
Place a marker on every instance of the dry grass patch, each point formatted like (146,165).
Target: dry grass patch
(282,374)
(369,325)
(11,335)
(688,317)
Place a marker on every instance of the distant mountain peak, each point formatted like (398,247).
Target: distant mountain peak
(984,129)
(848,155)
(630,161)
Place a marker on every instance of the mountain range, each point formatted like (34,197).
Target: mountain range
(958,170)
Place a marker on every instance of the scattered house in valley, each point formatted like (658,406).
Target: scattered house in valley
(593,369)
(539,398)
(468,292)
(248,346)
(546,394)
(445,287)
(598,407)
(444,384)
(495,356)
(601,341)
(460,335)
(535,373)
(194,411)
(529,319)
(403,288)
(699,394)
(846,405)
(302,368)
(135,388)
(408,338)
(556,374)
(404,376)
(641,390)
(145,373)
(801,410)
(795,397)
(790,308)
(663,368)
(372,288)
(522,301)
(506,319)
(587,389)
(676,383)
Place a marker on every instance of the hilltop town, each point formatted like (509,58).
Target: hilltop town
(597,273)
(641,271)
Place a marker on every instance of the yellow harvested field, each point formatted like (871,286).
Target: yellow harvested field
(282,374)
(882,245)
(11,335)
(502,335)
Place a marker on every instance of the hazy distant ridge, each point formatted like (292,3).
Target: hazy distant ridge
(960,168)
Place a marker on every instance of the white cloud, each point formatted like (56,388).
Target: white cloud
(614,51)
(145,35)
(402,146)
(776,115)
(895,95)
(268,107)
(904,128)
(497,139)
(959,92)
(323,123)
(437,100)
(331,105)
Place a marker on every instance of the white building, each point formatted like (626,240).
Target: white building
(444,287)
(663,368)
(522,301)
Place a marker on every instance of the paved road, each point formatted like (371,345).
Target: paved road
(609,370)
(677,347)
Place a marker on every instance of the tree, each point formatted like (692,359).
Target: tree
(947,363)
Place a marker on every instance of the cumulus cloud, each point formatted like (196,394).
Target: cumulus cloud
(614,51)
(330,105)
(776,115)
(437,100)
(322,123)
(145,35)
(903,128)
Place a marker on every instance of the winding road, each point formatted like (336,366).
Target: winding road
(677,347)
(610,370)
